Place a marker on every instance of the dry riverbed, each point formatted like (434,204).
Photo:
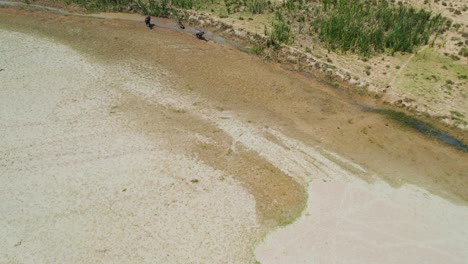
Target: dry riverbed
(121,144)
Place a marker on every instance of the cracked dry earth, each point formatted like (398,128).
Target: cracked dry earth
(120,144)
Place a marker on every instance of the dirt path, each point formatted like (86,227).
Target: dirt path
(124,144)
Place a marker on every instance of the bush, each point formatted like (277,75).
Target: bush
(281,32)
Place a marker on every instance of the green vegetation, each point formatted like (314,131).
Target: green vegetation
(457,114)
(160,8)
(463,52)
(430,75)
(367,27)
(462,76)
(257,6)
(186,4)
(281,32)
(102,4)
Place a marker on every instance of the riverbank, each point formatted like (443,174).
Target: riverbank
(433,97)
(429,84)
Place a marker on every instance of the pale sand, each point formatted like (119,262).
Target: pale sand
(351,221)
(78,186)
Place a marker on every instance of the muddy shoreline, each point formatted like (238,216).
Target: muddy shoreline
(305,64)
(291,59)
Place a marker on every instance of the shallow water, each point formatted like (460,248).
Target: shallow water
(421,127)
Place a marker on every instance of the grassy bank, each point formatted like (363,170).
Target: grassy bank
(363,27)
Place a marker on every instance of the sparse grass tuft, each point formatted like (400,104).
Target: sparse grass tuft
(463,52)
(457,114)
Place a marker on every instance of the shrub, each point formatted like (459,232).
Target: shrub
(281,32)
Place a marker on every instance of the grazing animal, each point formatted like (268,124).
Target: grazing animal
(199,34)
(181,25)
(148,22)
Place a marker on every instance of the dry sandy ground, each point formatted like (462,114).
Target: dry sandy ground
(80,186)
(121,144)
(350,221)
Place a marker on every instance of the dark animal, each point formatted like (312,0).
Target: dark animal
(181,25)
(199,34)
(148,22)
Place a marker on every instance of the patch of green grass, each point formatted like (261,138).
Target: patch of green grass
(434,71)
(257,6)
(186,4)
(463,52)
(457,114)
(368,27)
(454,57)
(163,8)
(258,48)
(462,76)
(103,5)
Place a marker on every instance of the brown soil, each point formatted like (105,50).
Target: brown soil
(279,199)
